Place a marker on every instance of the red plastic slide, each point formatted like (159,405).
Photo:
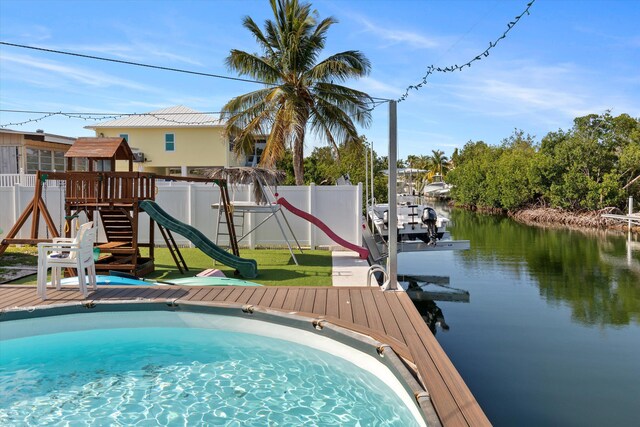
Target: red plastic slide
(364,253)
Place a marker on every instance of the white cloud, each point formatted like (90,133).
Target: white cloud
(134,52)
(518,88)
(375,87)
(28,32)
(396,36)
(55,72)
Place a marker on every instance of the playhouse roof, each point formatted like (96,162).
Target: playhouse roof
(100,148)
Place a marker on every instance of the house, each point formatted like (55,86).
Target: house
(175,141)
(32,151)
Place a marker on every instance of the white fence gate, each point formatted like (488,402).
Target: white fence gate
(339,207)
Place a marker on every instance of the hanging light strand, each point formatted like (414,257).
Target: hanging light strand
(431,69)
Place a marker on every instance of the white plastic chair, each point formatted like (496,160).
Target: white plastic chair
(68,253)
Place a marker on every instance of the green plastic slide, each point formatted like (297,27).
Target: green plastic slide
(248,268)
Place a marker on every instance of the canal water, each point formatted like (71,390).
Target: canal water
(551,333)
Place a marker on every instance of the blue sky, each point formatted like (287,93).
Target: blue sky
(567,59)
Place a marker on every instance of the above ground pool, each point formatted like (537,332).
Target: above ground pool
(159,367)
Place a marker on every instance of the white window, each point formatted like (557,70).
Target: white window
(46,160)
(58,160)
(169,142)
(33,160)
(125,136)
(80,164)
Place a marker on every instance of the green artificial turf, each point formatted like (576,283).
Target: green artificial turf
(275,266)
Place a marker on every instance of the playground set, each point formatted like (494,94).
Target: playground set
(119,198)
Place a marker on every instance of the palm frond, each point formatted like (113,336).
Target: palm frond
(341,66)
(263,41)
(248,64)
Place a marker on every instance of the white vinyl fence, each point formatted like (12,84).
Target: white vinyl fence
(339,207)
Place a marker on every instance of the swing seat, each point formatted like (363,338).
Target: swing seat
(68,253)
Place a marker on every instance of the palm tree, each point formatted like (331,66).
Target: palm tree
(299,91)
(437,159)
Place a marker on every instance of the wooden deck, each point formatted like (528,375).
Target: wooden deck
(388,317)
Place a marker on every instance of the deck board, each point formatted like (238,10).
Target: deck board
(357,307)
(279,298)
(268,297)
(389,324)
(290,302)
(344,305)
(257,296)
(308,301)
(332,303)
(388,317)
(373,316)
(320,302)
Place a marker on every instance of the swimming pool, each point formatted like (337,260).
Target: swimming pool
(190,367)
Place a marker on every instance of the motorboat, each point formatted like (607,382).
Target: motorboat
(416,221)
(437,188)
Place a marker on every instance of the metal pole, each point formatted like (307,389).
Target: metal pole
(366,181)
(392,259)
(373,194)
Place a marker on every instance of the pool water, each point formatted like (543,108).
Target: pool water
(186,376)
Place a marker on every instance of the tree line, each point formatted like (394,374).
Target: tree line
(593,165)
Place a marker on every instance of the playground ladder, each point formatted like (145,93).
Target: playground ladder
(173,249)
(228,218)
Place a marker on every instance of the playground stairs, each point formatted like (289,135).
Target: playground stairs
(120,252)
(117,224)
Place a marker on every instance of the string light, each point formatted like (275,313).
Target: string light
(105,116)
(93,116)
(433,69)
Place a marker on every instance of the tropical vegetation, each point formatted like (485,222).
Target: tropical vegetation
(595,164)
(300,90)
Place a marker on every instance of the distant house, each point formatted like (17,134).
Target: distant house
(32,151)
(174,141)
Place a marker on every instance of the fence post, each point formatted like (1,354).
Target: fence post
(190,207)
(250,216)
(358,215)
(16,211)
(312,210)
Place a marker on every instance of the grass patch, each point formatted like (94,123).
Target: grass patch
(275,266)
(14,256)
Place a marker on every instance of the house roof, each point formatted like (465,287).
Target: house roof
(100,148)
(172,117)
(42,136)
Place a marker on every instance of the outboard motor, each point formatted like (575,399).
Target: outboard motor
(429,218)
(385,218)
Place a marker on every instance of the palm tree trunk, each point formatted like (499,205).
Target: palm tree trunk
(298,159)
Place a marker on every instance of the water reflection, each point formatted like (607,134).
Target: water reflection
(432,315)
(597,275)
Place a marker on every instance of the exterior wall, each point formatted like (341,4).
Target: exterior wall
(194,147)
(10,152)
(10,141)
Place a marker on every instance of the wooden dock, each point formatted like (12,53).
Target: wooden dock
(388,317)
